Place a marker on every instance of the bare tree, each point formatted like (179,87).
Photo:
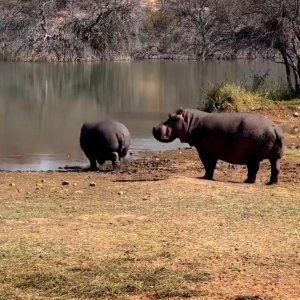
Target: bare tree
(111,27)
(205,21)
(271,27)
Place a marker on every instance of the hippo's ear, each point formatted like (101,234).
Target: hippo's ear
(179,111)
(172,116)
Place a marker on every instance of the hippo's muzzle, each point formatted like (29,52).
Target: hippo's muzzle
(163,133)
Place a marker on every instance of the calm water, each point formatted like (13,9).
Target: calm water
(42,106)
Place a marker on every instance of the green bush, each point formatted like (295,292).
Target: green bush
(231,97)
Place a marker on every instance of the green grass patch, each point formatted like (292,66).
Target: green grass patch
(232,97)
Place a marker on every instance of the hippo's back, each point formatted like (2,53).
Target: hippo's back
(105,137)
(240,137)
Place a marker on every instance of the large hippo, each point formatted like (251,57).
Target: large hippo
(237,138)
(105,140)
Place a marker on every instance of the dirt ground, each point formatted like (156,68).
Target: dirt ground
(153,230)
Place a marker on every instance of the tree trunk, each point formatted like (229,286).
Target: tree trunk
(287,69)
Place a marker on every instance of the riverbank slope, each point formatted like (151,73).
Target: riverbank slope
(153,231)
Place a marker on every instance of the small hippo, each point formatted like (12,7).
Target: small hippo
(236,138)
(105,140)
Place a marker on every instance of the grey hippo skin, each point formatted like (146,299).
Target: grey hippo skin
(236,138)
(105,140)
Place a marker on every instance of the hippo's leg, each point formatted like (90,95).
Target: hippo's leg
(93,164)
(275,168)
(252,171)
(115,160)
(209,165)
(100,162)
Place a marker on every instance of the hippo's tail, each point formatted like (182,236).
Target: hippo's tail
(278,145)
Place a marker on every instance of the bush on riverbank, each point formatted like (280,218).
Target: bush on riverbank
(233,97)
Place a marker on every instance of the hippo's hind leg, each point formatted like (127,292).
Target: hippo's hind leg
(275,169)
(209,165)
(252,171)
(115,160)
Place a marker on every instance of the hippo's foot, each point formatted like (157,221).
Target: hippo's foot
(272,181)
(92,169)
(116,166)
(249,180)
(205,177)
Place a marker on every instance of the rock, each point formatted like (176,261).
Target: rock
(65,183)
(296,114)
(74,184)
(43,180)
(12,184)
(92,184)
(120,193)
(78,192)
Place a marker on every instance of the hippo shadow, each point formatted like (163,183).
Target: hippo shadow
(78,169)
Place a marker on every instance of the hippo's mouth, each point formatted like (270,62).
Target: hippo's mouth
(163,134)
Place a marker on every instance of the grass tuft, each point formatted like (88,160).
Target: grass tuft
(231,97)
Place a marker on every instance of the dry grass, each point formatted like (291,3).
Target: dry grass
(133,236)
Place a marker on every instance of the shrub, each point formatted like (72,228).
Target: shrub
(231,97)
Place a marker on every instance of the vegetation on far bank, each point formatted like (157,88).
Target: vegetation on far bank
(233,97)
(73,30)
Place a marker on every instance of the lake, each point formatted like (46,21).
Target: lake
(42,106)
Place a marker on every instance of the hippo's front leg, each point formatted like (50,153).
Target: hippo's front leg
(209,165)
(252,171)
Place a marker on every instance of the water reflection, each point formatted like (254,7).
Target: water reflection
(42,106)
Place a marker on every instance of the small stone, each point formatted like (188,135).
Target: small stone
(65,183)
(12,184)
(28,193)
(120,193)
(74,184)
(43,180)
(78,192)
(296,114)
(92,184)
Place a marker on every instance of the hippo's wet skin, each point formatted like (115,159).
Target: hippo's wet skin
(236,138)
(105,140)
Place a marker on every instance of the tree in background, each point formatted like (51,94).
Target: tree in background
(271,27)
(111,28)
(205,22)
